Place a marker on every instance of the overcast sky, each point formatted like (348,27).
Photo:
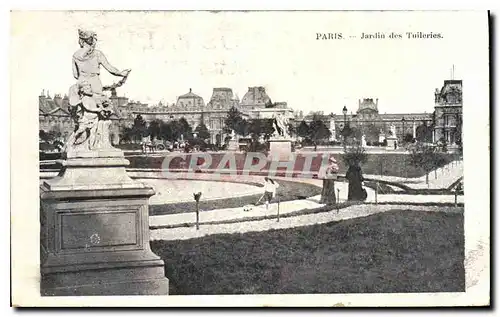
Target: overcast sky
(170,52)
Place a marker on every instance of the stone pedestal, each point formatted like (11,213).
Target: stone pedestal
(233,145)
(392,143)
(381,138)
(280,149)
(94,237)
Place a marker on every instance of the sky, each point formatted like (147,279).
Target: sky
(171,52)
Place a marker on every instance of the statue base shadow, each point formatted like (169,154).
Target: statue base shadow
(94,237)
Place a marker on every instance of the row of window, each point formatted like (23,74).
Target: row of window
(189,103)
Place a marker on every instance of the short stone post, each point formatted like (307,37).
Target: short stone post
(338,199)
(197,197)
(278,218)
(376,192)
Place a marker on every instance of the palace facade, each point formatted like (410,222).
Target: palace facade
(256,104)
(444,123)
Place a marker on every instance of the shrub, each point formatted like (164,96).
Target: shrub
(354,154)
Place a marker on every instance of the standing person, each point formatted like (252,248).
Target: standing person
(270,188)
(355,178)
(329,174)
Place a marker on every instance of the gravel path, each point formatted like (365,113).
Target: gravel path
(184,233)
(446,176)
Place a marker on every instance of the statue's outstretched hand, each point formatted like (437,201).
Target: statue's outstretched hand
(124,73)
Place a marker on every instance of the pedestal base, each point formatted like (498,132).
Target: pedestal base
(94,237)
(233,145)
(392,143)
(280,149)
(111,282)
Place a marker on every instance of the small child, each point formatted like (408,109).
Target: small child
(270,187)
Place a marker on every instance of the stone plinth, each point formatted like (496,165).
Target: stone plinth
(392,143)
(381,138)
(280,149)
(94,236)
(233,145)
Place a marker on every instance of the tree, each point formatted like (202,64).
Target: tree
(291,129)
(260,127)
(243,127)
(44,136)
(347,132)
(233,121)
(425,157)
(303,129)
(318,129)
(357,133)
(154,128)
(408,138)
(175,128)
(371,132)
(126,134)
(423,133)
(185,129)
(354,154)
(139,128)
(202,131)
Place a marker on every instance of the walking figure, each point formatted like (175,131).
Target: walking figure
(270,188)
(355,178)
(329,175)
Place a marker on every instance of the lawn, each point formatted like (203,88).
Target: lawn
(287,191)
(377,164)
(395,251)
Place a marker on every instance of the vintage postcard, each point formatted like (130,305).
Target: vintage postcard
(250,158)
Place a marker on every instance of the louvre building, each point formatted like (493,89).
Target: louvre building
(444,123)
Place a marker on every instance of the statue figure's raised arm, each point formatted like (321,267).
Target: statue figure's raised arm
(76,73)
(110,68)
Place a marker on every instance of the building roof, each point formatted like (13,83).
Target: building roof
(45,104)
(256,96)
(59,112)
(368,104)
(222,98)
(450,93)
(189,95)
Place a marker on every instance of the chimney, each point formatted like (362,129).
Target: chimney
(190,90)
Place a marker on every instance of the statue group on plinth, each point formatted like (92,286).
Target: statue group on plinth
(82,251)
(392,131)
(392,140)
(88,105)
(280,144)
(280,125)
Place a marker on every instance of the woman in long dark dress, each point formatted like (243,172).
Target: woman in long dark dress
(355,178)
(328,196)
